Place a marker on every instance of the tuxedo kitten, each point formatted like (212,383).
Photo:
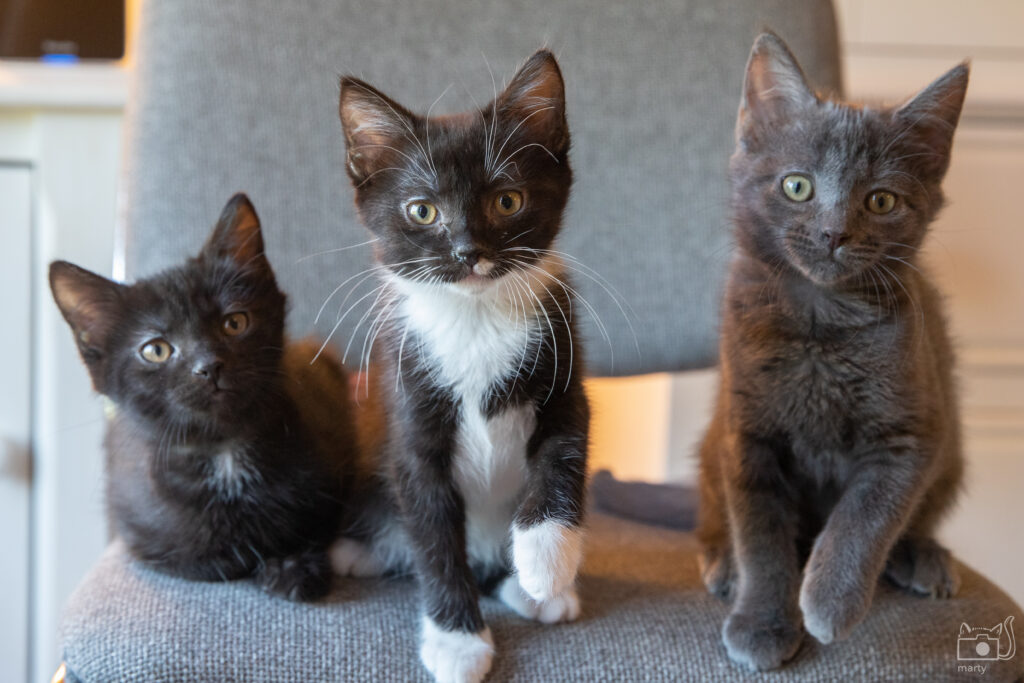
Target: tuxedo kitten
(477,359)
(834,449)
(225,451)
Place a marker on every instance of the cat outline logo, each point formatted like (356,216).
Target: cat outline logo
(983,644)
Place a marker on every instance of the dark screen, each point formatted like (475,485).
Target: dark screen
(87,29)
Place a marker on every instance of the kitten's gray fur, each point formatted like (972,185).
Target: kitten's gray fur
(835,444)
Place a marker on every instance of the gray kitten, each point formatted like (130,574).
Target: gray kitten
(835,444)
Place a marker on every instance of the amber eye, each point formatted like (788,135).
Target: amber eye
(508,202)
(797,187)
(881,202)
(156,350)
(422,213)
(235,324)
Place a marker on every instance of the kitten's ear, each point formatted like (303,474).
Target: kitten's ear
(933,114)
(237,235)
(90,304)
(774,88)
(372,122)
(965,630)
(534,101)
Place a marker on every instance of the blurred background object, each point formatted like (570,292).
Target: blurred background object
(62,31)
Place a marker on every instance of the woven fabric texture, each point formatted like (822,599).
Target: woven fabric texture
(234,95)
(645,617)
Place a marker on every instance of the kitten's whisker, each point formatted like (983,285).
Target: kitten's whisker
(339,321)
(524,232)
(430,154)
(332,251)
(515,288)
(918,310)
(399,382)
(568,327)
(367,353)
(527,295)
(513,132)
(586,271)
(369,272)
(421,172)
(508,159)
(905,262)
(381,290)
(330,296)
(901,244)
(410,134)
(574,294)
(489,155)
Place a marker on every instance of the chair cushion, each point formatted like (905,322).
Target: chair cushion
(645,616)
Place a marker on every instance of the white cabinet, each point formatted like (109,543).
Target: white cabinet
(15,417)
(60,141)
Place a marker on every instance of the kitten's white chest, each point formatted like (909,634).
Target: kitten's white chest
(475,343)
(230,473)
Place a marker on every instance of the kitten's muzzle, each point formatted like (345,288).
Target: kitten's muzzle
(475,260)
(467,255)
(208,370)
(835,238)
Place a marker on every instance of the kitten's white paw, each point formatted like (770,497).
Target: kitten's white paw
(349,557)
(546,557)
(516,599)
(456,656)
(562,607)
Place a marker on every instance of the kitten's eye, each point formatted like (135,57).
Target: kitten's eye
(156,350)
(508,202)
(881,202)
(235,324)
(422,213)
(797,187)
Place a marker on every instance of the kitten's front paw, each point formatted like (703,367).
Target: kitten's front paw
(349,557)
(832,606)
(562,607)
(300,578)
(924,567)
(759,641)
(546,557)
(717,571)
(455,656)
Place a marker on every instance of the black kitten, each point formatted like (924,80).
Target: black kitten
(477,360)
(834,449)
(221,460)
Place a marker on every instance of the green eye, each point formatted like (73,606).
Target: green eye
(422,213)
(881,202)
(508,203)
(235,324)
(156,351)
(797,187)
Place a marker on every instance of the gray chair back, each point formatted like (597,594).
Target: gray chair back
(242,95)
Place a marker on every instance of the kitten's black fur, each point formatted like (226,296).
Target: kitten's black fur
(470,270)
(221,462)
(834,449)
